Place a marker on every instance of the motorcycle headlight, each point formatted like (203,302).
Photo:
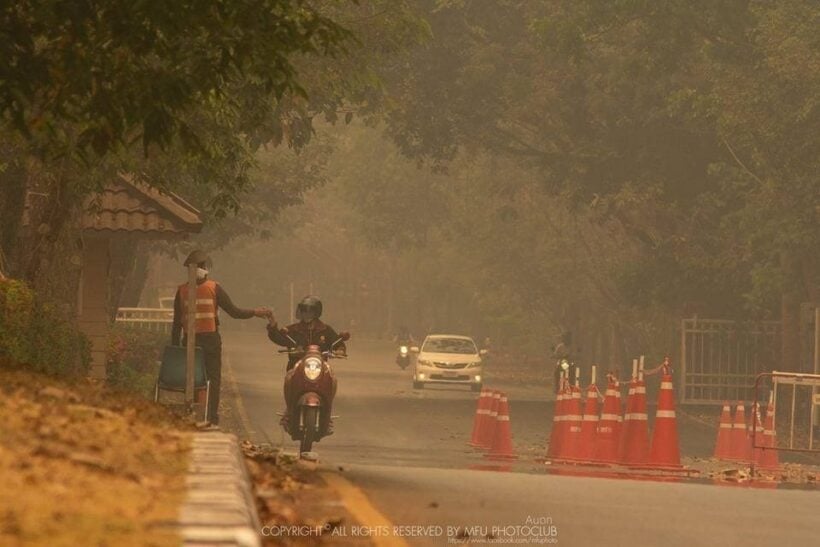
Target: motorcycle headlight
(403,350)
(564,365)
(313,368)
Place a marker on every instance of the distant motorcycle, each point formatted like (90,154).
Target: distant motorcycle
(403,358)
(310,387)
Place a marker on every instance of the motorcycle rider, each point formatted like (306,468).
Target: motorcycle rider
(404,337)
(562,353)
(308,331)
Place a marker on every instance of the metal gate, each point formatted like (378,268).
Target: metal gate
(720,359)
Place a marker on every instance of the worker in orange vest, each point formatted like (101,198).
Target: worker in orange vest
(210,296)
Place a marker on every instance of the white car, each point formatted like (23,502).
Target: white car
(448,359)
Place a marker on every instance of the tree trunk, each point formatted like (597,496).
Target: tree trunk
(12,205)
(48,227)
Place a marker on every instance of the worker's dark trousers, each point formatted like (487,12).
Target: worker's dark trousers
(211,344)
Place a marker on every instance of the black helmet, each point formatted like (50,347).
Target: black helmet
(309,308)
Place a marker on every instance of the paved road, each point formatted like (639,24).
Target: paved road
(406,450)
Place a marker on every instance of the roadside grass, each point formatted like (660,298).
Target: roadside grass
(82,464)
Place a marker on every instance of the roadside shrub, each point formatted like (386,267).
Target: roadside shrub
(132,359)
(33,334)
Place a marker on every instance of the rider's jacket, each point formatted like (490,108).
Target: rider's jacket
(301,335)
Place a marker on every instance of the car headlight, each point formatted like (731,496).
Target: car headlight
(424,363)
(474,365)
(313,368)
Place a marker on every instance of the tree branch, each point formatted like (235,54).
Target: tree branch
(740,163)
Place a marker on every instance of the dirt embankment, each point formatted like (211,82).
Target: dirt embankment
(81,465)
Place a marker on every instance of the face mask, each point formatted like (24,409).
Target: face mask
(201,273)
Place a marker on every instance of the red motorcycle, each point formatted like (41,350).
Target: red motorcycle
(310,387)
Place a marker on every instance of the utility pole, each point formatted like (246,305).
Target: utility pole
(190,346)
(391,296)
(814,393)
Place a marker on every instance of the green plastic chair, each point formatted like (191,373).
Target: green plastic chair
(172,372)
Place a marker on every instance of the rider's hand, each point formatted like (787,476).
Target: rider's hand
(262,312)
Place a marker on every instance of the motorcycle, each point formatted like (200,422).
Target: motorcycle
(403,358)
(310,387)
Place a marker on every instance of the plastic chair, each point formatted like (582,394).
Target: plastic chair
(172,372)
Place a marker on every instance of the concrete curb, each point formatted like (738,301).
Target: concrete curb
(219,508)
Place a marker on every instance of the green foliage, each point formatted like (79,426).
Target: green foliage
(32,334)
(133,355)
(692,125)
(119,72)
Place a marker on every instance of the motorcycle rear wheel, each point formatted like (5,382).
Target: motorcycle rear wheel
(310,433)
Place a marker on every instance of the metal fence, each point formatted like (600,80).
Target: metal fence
(720,359)
(794,396)
(152,319)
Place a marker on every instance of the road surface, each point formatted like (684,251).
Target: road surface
(406,451)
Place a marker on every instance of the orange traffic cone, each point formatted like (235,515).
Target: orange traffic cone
(480,420)
(740,444)
(589,424)
(554,449)
(636,441)
(626,425)
(488,432)
(723,446)
(502,448)
(665,450)
(768,458)
(572,425)
(609,426)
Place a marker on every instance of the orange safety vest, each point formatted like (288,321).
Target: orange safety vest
(206,306)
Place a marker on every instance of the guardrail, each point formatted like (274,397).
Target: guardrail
(152,319)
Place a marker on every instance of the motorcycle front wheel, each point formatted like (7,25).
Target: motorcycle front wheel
(310,433)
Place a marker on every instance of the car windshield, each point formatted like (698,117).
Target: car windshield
(449,345)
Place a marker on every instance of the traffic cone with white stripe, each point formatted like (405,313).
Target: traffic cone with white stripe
(609,426)
(572,419)
(557,432)
(665,451)
(488,432)
(740,443)
(480,420)
(767,458)
(723,446)
(636,434)
(502,447)
(626,425)
(589,424)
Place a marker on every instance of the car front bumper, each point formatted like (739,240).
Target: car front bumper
(444,376)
